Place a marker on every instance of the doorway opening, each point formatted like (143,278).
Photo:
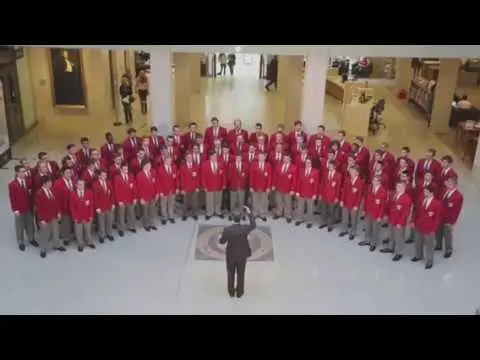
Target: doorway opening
(237,65)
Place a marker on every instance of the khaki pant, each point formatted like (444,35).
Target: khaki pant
(305,209)
(191,203)
(213,200)
(66,228)
(445,232)
(105,223)
(259,203)
(148,213)
(283,204)
(424,242)
(350,217)
(49,236)
(397,239)
(167,206)
(329,213)
(237,199)
(125,217)
(373,230)
(24,224)
(83,233)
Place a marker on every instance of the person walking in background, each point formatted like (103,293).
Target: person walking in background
(231,63)
(142,89)
(272,73)
(222,59)
(126,95)
(237,251)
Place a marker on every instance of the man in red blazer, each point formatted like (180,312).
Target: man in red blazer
(213,181)
(190,137)
(427,182)
(215,131)
(238,173)
(147,149)
(306,193)
(177,138)
(321,139)
(52,166)
(252,155)
(362,157)
(296,148)
(399,210)
(426,222)
(131,144)
(190,187)
(317,151)
(168,187)
(351,199)
(147,191)
(20,194)
(301,158)
(375,209)
(275,157)
(82,209)
(125,191)
(237,130)
(104,206)
(297,133)
(62,188)
(379,171)
(262,144)
(428,164)
(279,138)
(260,182)
(405,154)
(330,191)
(258,132)
(284,185)
(41,171)
(83,154)
(447,172)
(109,149)
(48,216)
(197,155)
(452,204)
(72,156)
(344,147)
(157,142)
(89,175)
(115,168)
(173,150)
(136,162)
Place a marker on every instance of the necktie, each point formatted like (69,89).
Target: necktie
(261,166)
(285,168)
(279,156)
(169,170)
(375,190)
(239,167)
(70,185)
(49,195)
(125,178)
(396,197)
(81,194)
(192,135)
(110,147)
(214,167)
(104,185)
(330,175)
(425,203)
(23,184)
(307,172)
(133,142)
(155,141)
(427,165)
(447,194)
(215,132)
(251,157)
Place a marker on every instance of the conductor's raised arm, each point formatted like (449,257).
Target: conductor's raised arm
(251,219)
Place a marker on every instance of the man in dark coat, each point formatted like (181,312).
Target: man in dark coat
(237,252)
(272,73)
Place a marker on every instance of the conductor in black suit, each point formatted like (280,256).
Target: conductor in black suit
(237,252)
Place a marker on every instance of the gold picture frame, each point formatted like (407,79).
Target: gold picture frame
(67,78)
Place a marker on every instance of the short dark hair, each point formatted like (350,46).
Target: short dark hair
(69,146)
(153,128)
(332,162)
(41,154)
(18,168)
(406,149)
(84,139)
(45,179)
(447,158)
(192,124)
(145,162)
(259,125)
(321,127)
(131,131)
(298,122)
(108,134)
(429,188)
(432,151)
(342,132)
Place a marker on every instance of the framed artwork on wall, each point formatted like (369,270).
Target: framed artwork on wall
(67,78)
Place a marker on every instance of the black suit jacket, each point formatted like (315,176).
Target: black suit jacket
(236,237)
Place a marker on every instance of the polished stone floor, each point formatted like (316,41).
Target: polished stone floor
(313,272)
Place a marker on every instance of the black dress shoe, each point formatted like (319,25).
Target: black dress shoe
(132,230)
(239,295)
(364,243)
(121,233)
(61,249)
(385,226)
(263,218)
(298,223)
(153,228)
(438,248)
(330,229)
(386,251)
(322,226)
(372,248)
(409,241)
(351,237)
(309,226)
(396,257)
(230,218)
(428,265)
(164,222)
(114,226)
(43,254)
(146,228)
(110,237)
(92,246)
(221,216)
(447,254)
(385,241)
(231,294)
(184,218)
(195,217)
(80,248)
(338,222)
(207,217)
(137,217)
(289,221)
(101,240)
(362,217)
(66,243)
(172,221)
(35,244)
(276,217)
(342,234)
(21,247)
(244,218)
(415,259)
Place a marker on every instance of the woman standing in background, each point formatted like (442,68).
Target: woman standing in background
(142,89)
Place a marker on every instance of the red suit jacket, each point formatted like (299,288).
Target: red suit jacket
(376,202)
(226,159)
(435,168)
(344,151)
(285,182)
(238,178)
(353,193)
(427,217)
(113,171)
(82,208)
(167,183)
(452,204)
(421,186)
(20,197)
(326,142)
(410,164)
(444,175)
(254,139)
(399,209)
(62,193)
(130,147)
(275,158)
(363,161)
(135,165)
(156,144)
(88,177)
(188,139)
(103,196)
(251,157)
(213,181)
(82,155)
(260,179)
(308,185)
(232,135)
(330,188)
(125,191)
(146,186)
(107,152)
(210,135)
(189,177)
(292,138)
(47,209)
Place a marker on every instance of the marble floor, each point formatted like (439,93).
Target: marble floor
(313,272)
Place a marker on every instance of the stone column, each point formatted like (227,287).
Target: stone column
(161,90)
(403,74)
(290,83)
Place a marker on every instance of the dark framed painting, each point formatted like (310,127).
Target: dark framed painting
(68,83)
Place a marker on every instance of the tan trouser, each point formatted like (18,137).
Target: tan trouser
(148,213)
(83,233)
(24,224)
(305,209)
(213,201)
(283,204)
(105,223)
(126,217)
(260,203)
(237,199)
(48,235)
(167,206)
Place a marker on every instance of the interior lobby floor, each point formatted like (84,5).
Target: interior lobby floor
(313,272)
